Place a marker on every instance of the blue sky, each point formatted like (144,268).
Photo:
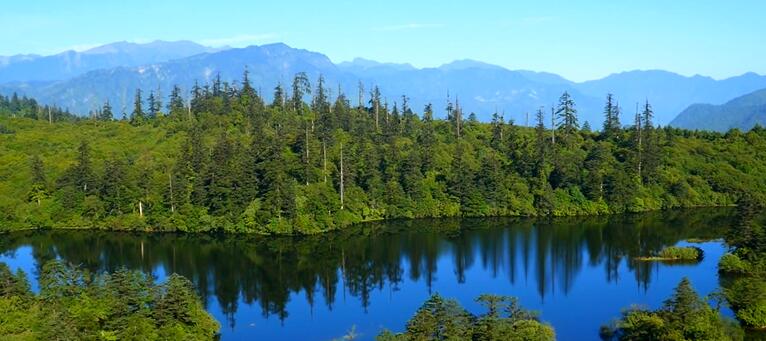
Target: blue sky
(578,39)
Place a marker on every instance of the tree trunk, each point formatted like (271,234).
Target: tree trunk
(341,176)
(172,202)
(553,126)
(324,163)
(638,130)
(307,154)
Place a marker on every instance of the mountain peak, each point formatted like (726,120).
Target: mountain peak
(463,64)
(68,64)
(77,79)
(276,45)
(157,45)
(361,64)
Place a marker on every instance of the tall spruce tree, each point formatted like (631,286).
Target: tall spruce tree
(567,114)
(83,169)
(39,190)
(151,104)
(652,152)
(176,104)
(138,115)
(540,140)
(301,87)
(113,191)
(279,96)
(611,117)
(106,113)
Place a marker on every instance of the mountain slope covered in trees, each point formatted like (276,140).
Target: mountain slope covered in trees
(741,113)
(232,162)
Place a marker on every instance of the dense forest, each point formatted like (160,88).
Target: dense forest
(74,304)
(310,161)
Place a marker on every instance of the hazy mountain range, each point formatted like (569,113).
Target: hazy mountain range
(82,81)
(69,64)
(742,112)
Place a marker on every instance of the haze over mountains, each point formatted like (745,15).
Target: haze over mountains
(742,112)
(82,81)
(68,64)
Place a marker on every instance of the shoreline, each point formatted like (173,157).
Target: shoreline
(368,222)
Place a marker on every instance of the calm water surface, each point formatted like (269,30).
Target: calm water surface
(579,273)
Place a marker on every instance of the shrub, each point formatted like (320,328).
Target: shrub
(684,316)
(732,264)
(681,253)
(444,319)
(676,253)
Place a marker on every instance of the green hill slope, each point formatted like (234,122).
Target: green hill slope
(742,113)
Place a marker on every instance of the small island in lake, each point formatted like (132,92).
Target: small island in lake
(675,253)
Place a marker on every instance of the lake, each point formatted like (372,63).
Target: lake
(579,273)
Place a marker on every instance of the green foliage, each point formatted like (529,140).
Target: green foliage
(684,316)
(676,253)
(74,304)
(228,162)
(743,270)
(15,106)
(732,264)
(443,319)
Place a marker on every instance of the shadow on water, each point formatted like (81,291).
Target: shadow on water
(267,270)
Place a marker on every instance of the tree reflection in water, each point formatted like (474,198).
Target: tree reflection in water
(357,261)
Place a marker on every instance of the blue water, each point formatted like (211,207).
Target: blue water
(578,273)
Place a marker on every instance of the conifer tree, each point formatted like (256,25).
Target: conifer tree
(651,145)
(638,137)
(375,105)
(498,130)
(153,106)
(279,96)
(39,190)
(301,87)
(219,179)
(114,192)
(540,135)
(176,103)
(427,138)
(83,173)
(568,115)
(106,112)
(360,96)
(138,116)
(611,117)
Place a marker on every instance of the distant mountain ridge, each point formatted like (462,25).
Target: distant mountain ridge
(479,87)
(68,64)
(743,113)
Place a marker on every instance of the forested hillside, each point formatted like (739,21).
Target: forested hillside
(227,161)
(741,113)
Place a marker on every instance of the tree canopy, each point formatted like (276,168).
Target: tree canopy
(444,319)
(311,161)
(75,304)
